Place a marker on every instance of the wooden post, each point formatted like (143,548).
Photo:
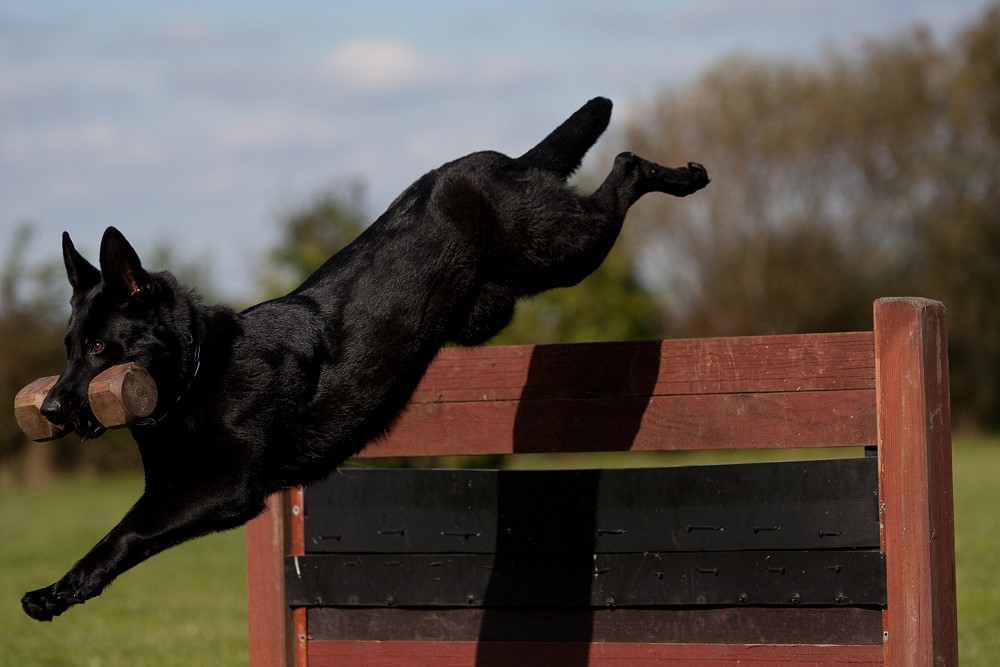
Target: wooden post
(277,635)
(916,506)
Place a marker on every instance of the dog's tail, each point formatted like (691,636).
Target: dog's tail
(563,150)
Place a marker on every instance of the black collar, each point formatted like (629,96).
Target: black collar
(151,421)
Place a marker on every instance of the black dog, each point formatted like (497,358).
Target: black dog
(280,394)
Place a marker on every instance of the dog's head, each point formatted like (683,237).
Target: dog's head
(116,315)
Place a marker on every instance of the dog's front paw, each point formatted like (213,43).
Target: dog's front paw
(47,603)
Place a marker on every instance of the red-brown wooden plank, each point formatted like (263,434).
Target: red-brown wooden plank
(268,618)
(296,546)
(513,654)
(914,421)
(750,364)
(709,421)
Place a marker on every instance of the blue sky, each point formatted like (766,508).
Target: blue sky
(198,123)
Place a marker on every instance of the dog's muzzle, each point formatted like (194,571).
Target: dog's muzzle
(85,424)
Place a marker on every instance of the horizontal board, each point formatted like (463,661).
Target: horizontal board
(813,390)
(533,654)
(825,504)
(740,625)
(602,580)
(842,418)
(749,364)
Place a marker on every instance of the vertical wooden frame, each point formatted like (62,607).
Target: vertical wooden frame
(277,633)
(296,546)
(915,481)
(916,510)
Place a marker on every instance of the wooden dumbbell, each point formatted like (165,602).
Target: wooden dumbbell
(28,411)
(119,396)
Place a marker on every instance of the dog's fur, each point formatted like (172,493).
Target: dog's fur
(280,394)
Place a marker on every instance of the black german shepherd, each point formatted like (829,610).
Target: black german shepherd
(280,394)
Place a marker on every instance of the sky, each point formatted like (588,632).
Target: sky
(198,124)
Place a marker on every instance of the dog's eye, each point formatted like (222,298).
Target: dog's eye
(97,346)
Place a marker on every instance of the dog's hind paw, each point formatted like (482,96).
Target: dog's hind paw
(45,603)
(653,177)
(698,173)
(678,182)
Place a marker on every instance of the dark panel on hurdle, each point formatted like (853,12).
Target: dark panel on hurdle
(793,533)
(699,625)
(601,580)
(829,504)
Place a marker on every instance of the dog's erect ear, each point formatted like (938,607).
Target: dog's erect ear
(124,278)
(82,274)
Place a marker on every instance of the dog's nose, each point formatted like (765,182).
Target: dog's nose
(54,410)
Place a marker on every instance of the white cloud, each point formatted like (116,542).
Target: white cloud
(379,65)
(270,131)
(184,31)
(508,72)
(96,144)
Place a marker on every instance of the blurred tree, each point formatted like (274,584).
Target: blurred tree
(310,234)
(29,323)
(958,232)
(836,181)
(786,151)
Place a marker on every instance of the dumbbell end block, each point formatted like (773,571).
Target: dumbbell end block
(119,396)
(28,411)
(122,394)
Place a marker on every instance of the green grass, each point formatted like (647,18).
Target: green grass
(184,607)
(977,549)
(188,606)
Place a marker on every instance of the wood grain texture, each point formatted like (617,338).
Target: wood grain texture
(296,547)
(839,418)
(28,411)
(268,636)
(749,364)
(122,394)
(536,654)
(914,421)
(812,390)
(270,621)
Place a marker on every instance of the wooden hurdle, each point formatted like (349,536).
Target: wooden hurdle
(839,561)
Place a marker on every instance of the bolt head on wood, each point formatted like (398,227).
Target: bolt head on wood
(28,411)
(122,394)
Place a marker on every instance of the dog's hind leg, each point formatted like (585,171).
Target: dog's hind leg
(632,177)
(492,310)
(586,236)
(629,179)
